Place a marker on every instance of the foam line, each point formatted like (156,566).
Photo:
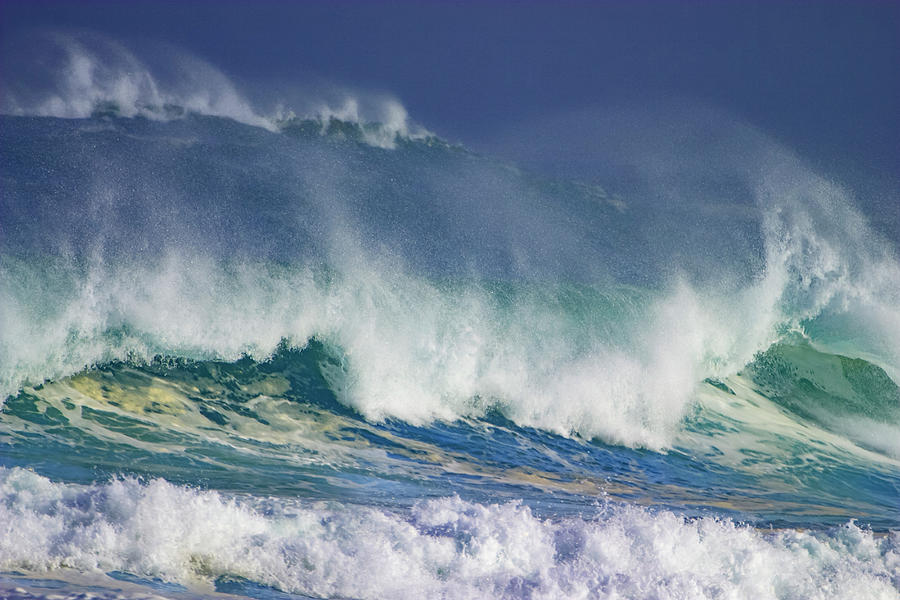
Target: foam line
(442,548)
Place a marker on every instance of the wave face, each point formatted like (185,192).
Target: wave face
(261,356)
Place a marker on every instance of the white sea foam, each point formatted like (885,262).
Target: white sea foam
(445,548)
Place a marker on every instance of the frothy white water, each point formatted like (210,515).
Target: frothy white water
(446,548)
(410,349)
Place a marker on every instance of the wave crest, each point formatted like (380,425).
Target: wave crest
(82,75)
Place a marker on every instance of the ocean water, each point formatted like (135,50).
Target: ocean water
(334,356)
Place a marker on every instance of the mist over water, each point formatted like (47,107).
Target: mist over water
(190,276)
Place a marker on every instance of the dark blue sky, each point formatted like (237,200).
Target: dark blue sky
(821,77)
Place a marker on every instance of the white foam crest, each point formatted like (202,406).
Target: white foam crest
(95,73)
(446,548)
(384,120)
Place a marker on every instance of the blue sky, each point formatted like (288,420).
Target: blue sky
(820,77)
